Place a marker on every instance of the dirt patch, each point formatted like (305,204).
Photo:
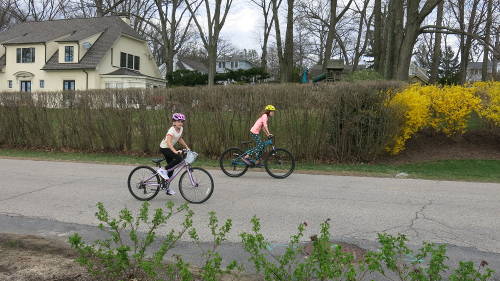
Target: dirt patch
(35,258)
(429,146)
(32,258)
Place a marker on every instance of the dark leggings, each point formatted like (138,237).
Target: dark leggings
(259,146)
(172,159)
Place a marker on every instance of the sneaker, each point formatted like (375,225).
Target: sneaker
(259,165)
(170,191)
(163,173)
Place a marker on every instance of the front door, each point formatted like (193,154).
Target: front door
(25,86)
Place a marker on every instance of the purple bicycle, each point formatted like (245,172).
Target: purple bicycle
(196,185)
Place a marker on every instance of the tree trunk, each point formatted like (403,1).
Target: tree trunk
(331,33)
(487,39)
(436,56)
(377,48)
(212,57)
(288,53)
(279,45)
(495,57)
(464,56)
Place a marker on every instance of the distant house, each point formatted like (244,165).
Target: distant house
(185,64)
(226,64)
(75,54)
(474,71)
(417,74)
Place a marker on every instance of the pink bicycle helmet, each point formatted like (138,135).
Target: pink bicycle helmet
(178,117)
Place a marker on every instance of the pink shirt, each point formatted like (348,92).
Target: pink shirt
(261,122)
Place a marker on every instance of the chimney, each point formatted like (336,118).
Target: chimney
(125,17)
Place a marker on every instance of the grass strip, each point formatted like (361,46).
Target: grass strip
(464,170)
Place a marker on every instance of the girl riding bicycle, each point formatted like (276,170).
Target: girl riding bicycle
(172,155)
(260,124)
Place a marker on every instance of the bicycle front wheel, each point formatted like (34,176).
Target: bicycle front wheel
(143,183)
(196,185)
(279,163)
(231,164)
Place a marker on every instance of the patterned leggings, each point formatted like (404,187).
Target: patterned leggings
(259,147)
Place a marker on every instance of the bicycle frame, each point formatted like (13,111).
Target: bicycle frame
(236,161)
(183,166)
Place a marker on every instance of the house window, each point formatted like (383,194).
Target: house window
(130,61)
(235,64)
(42,84)
(220,64)
(69,85)
(232,65)
(123,59)
(10,84)
(137,62)
(25,55)
(68,53)
(25,86)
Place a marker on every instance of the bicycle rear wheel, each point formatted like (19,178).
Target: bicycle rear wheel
(196,185)
(231,164)
(143,183)
(279,163)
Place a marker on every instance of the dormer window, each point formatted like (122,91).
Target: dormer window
(25,55)
(130,61)
(69,53)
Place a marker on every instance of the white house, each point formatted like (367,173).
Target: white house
(75,54)
(474,71)
(223,65)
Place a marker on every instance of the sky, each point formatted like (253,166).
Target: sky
(242,26)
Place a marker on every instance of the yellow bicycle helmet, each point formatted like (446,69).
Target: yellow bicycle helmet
(270,107)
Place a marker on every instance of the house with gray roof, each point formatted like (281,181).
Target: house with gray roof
(475,70)
(76,54)
(232,63)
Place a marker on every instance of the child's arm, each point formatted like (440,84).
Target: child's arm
(266,129)
(170,145)
(181,141)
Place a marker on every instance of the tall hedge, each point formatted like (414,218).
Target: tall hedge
(334,122)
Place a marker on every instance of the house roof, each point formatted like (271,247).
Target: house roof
(109,28)
(478,66)
(129,72)
(196,65)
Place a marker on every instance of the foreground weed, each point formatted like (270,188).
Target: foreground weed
(115,259)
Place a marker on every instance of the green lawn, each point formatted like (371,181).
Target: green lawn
(468,170)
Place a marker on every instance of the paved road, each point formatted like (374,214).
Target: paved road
(461,214)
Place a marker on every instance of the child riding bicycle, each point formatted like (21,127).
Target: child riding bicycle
(172,155)
(260,124)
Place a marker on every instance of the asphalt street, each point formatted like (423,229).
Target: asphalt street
(57,198)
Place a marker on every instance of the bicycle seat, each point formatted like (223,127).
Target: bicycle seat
(158,160)
(245,142)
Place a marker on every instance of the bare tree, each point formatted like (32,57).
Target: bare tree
(215,23)
(265,6)
(334,18)
(436,56)
(359,49)
(399,35)
(285,54)
(487,39)
(5,14)
(39,10)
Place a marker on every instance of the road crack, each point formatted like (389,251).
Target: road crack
(37,190)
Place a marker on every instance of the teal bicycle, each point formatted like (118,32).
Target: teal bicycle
(278,162)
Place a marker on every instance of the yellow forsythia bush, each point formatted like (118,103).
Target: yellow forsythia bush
(490,105)
(446,109)
(416,114)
